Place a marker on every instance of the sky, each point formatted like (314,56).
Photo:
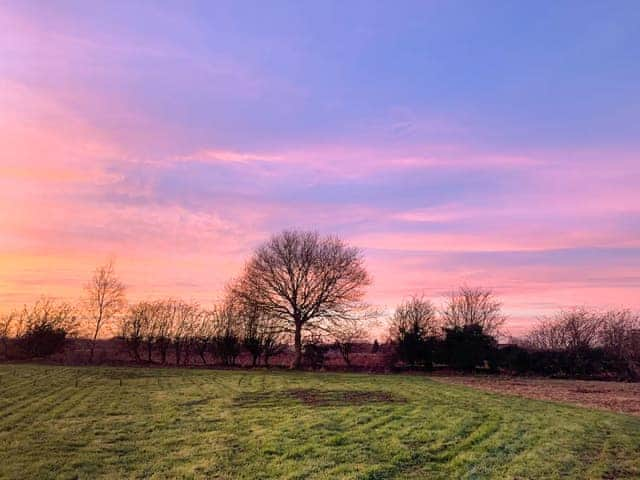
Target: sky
(484,143)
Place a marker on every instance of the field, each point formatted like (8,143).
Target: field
(166,423)
(621,397)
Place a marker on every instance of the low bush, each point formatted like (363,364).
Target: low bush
(42,340)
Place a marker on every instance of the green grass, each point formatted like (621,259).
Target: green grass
(167,423)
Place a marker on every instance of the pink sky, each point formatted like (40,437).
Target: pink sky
(177,150)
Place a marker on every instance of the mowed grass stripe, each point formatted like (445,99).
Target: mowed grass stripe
(180,423)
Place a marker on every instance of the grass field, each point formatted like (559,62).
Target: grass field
(167,423)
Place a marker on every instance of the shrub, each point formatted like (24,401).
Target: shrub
(314,353)
(42,340)
(413,329)
(226,347)
(514,359)
(468,347)
(44,326)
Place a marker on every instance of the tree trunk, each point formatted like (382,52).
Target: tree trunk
(95,336)
(93,347)
(298,346)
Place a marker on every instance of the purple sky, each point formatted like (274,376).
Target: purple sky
(479,143)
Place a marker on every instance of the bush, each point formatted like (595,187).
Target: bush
(226,347)
(468,347)
(44,326)
(413,329)
(514,359)
(416,351)
(42,340)
(314,354)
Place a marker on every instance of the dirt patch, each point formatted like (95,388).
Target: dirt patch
(343,397)
(320,398)
(196,403)
(613,396)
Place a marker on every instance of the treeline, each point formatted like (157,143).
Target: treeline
(574,343)
(155,328)
(582,342)
(300,296)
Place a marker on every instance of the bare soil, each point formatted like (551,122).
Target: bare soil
(342,397)
(612,396)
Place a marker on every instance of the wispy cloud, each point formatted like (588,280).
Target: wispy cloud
(179,143)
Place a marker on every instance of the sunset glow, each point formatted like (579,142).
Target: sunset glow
(178,136)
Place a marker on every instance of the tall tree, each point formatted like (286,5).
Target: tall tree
(474,306)
(307,282)
(105,298)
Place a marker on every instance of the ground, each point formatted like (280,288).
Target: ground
(618,397)
(167,423)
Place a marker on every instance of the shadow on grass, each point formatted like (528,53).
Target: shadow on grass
(319,398)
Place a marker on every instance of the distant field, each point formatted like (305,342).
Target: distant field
(621,397)
(168,423)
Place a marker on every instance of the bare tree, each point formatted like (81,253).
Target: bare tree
(547,335)
(273,342)
(570,330)
(7,321)
(203,333)
(252,319)
(43,328)
(164,314)
(47,311)
(416,314)
(347,335)
(474,306)
(620,334)
(105,298)
(412,329)
(135,326)
(184,316)
(307,282)
(225,342)
(150,322)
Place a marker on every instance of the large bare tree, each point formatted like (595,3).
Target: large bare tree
(309,283)
(474,306)
(105,298)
